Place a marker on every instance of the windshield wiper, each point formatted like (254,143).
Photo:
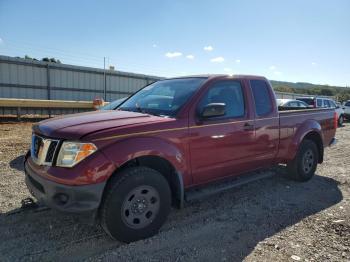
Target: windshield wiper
(124,109)
(138,109)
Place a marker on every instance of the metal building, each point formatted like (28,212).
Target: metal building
(23,78)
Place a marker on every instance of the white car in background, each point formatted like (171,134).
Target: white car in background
(346,108)
(323,102)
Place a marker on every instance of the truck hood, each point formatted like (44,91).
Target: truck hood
(76,126)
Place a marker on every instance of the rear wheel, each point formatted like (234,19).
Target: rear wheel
(303,166)
(136,204)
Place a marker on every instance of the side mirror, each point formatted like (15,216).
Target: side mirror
(213,110)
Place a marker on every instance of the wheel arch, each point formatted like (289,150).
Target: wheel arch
(166,157)
(311,130)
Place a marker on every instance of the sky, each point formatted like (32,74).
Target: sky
(291,40)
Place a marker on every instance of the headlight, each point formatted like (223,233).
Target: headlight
(71,153)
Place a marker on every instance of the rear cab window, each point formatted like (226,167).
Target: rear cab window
(319,103)
(262,97)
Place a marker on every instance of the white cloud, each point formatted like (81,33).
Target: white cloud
(313,63)
(208,48)
(1,41)
(173,54)
(191,57)
(154,46)
(272,67)
(218,59)
(238,61)
(277,73)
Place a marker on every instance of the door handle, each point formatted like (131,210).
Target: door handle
(248,127)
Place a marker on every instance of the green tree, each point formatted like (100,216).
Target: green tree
(326,92)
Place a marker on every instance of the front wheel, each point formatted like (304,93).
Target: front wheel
(303,166)
(136,204)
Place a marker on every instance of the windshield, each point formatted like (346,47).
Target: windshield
(163,98)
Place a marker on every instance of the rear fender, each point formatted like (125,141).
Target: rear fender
(309,126)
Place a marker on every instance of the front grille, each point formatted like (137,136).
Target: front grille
(43,150)
(51,151)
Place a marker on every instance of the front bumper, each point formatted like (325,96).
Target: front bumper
(72,199)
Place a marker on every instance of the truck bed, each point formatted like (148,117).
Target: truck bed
(296,120)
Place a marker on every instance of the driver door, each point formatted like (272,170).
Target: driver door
(222,146)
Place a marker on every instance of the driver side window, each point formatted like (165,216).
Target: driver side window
(228,92)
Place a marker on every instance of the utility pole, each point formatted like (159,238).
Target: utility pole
(104,80)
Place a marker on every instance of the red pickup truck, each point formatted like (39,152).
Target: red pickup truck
(169,143)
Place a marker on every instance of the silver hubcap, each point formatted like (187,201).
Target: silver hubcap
(140,207)
(308,161)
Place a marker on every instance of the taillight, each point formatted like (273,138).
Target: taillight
(335,120)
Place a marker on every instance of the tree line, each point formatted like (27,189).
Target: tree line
(44,59)
(341,94)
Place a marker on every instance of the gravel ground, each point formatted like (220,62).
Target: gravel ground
(272,219)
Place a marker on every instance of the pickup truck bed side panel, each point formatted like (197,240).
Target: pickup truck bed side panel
(295,125)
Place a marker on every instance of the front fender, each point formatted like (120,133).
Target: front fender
(125,150)
(304,129)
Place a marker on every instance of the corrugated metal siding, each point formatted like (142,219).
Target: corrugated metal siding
(20,78)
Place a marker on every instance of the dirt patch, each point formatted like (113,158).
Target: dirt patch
(272,219)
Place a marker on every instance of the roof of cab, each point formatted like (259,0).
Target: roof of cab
(221,76)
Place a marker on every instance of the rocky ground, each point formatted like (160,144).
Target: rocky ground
(269,220)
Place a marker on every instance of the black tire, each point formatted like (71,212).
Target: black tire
(302,168)
(340,121)
(120,213)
